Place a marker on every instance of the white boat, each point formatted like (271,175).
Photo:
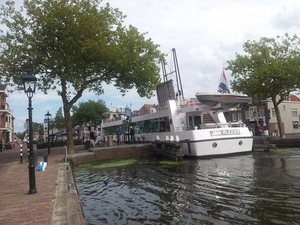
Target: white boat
(201,128)
(222,100)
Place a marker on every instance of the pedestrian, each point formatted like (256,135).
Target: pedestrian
(118,135)
(260,130)
(131,135)
(121,134)
(120,130)
(92,138)
(98,139)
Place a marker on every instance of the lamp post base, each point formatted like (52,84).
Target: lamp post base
(31,167)
(34,191)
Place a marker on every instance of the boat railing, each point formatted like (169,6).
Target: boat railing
(179,129)
(237,124)
(208,126)
(221,125)
(154,109)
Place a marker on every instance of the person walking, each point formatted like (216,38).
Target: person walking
(120,130)
(260,130)
(118,135)
(131,135)
(121,134)
(92,137)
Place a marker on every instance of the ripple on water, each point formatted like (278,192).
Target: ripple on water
(251,189)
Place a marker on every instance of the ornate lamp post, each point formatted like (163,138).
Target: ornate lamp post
(47,116)
(29,83)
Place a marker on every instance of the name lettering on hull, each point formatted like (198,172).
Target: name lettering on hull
(225,132)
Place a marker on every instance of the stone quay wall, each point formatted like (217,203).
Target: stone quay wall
(111,152)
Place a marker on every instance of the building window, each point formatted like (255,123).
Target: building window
(234,117)
(295,125)
(247,114)
(273,112)
(239,116)
(294,112)
(262,111)
(251,111)
(283,107)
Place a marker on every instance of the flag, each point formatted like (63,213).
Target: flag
(223,85)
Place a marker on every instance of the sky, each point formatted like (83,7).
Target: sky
(205,33)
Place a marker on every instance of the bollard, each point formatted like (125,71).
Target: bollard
(69,187)
(66,154)
(46,158)
(28,148)
(21,153)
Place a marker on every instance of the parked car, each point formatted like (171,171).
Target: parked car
(10,145)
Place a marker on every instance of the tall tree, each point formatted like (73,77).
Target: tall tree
(89,112)
(73,46)
(269,69)
(38,127)
(59,119)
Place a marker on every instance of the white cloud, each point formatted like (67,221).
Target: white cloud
(204,33)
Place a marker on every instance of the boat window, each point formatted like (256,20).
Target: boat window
(197,120)
(239,116)
(191,121)
(111,130)
(153,125)
(234,117)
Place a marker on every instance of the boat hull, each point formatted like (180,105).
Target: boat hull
(207,142)
(212,142)
(218,147)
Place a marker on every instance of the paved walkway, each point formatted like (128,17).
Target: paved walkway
(54,203)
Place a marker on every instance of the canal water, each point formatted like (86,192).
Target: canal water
(256,188)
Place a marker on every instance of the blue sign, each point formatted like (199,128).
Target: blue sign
(127,111)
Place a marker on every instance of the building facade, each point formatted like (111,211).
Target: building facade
(6,117)
(264,115)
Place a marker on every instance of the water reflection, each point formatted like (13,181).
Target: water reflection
(259,188)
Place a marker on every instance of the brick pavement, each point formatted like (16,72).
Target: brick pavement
(16,205)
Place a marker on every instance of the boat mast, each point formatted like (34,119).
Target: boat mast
(177,73)
(171,90)
(164,71)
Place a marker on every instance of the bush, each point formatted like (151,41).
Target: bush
(58,143)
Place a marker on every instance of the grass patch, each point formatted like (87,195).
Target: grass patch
(172,163)
(277,150)
(115,163)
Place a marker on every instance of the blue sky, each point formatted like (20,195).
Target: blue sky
(204,33)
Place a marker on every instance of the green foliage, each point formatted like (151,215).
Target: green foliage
(90,111)
(269,68)
(59,120)
(115,163)
(59,143)
(38,127)
(74,46)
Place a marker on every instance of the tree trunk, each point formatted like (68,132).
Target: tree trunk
(279,121)
(69,131)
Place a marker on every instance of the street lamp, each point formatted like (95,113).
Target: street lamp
(29,83)
(48,115)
